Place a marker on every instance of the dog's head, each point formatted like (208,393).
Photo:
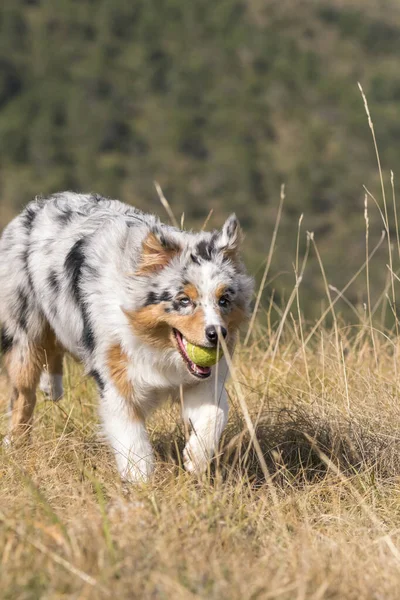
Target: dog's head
(194,289)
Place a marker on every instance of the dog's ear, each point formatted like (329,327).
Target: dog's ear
(230,237)
(158,249)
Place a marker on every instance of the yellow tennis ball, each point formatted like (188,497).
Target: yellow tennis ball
(203,357)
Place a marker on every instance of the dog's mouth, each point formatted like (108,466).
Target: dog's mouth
(196,370)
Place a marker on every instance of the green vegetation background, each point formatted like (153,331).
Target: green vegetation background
(220,102)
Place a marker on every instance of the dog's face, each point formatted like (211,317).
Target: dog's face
(196,290)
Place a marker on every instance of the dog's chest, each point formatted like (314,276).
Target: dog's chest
(152,372)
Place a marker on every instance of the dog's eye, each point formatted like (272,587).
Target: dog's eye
(185,301)
(223,301)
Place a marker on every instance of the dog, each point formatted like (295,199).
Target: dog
(123,293)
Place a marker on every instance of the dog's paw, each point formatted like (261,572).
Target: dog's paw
(51,386)
(195,457)
(138,471)
(17,438)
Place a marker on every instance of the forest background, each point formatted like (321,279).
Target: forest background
(221,103)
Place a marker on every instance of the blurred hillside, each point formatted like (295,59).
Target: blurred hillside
(221,102)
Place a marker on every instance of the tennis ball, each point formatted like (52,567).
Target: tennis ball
(203,357)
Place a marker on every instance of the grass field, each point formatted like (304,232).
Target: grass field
(316,517)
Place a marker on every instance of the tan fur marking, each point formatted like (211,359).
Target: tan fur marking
(53,355)
(191,326)
(24,365)
(54,363)
(150,325)
(154,255)
(154,326)
(23,405)
(117,362)
(220,291)
(191,292)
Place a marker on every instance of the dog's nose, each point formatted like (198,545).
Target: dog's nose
(212,333)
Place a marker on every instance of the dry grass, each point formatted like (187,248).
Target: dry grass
(324,526)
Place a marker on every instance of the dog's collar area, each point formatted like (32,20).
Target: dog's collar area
(196,370)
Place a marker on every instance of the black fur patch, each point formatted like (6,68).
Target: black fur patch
(24,257)
(65,216)
(74,264)
(205,249)
(166,242)
(195,259)
(88,335)
(98,379)
(96,197)
(28,217)
(163,241)
(165,297)
(154,298)
(53,282)
(21,309)
(6,340)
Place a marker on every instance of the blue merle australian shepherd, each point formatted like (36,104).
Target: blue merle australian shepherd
(123,293)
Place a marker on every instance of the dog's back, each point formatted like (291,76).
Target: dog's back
(46,258)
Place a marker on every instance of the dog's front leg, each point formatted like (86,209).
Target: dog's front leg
(205,409)
(126,431)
